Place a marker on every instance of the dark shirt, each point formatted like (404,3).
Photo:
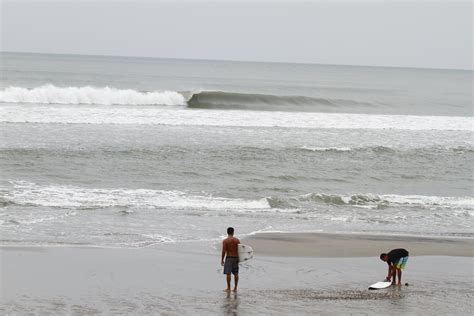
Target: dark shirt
(395,255)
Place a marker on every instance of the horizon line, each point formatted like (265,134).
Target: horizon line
(236,61)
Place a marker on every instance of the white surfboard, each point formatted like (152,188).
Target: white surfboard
(380,285)
(245,252)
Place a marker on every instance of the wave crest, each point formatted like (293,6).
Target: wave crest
(373,201)
(70,197)
(264,102)
(50,94)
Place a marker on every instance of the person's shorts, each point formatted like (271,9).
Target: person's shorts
(231,265)
(401,263)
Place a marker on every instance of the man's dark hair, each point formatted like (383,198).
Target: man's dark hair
(230,231)
(382,255)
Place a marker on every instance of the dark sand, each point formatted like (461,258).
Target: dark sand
(354,245)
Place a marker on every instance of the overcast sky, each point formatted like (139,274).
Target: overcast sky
(382,33)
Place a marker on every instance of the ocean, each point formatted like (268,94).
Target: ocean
(126,152)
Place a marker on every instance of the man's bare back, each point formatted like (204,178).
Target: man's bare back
(229,246)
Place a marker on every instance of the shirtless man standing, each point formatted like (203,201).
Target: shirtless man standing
(231,263)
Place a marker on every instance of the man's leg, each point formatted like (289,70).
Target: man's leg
(236,282)
(399,272)
(228,282)
(392,274)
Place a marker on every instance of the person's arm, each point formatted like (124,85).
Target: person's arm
(224,250)
(390,272)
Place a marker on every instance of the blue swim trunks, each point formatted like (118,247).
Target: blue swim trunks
(401,263)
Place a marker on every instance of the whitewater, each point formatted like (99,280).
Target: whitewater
(98,98)
(50,94)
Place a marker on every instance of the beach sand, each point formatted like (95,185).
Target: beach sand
(355,245)
(186,278)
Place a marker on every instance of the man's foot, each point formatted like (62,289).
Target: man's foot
(227,290)
(399,283)
(234,290)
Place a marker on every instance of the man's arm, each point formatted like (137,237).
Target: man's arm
(390,272)
(224,250)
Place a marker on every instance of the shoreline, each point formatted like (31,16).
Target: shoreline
(332,245)
(296,244)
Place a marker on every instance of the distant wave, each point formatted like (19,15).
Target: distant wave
(154,153)
(281,111)
(335,149)
(373,201)
(264,102)
(379,149)
(385,149)
(50,94)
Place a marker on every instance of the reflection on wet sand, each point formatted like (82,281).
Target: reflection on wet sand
(230,304)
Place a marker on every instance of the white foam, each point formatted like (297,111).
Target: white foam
(443,201)
(50,94)
(153,115)
(326,148)
(371,200)
(26,193)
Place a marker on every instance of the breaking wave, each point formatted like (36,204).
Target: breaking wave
(72,197)
(373,201)
(50,94)
(262,102)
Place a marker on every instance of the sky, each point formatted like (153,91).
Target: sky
(425,34)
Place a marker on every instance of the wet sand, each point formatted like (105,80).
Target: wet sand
(187,279)
(354,245)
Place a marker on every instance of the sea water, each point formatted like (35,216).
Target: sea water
(134,152)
